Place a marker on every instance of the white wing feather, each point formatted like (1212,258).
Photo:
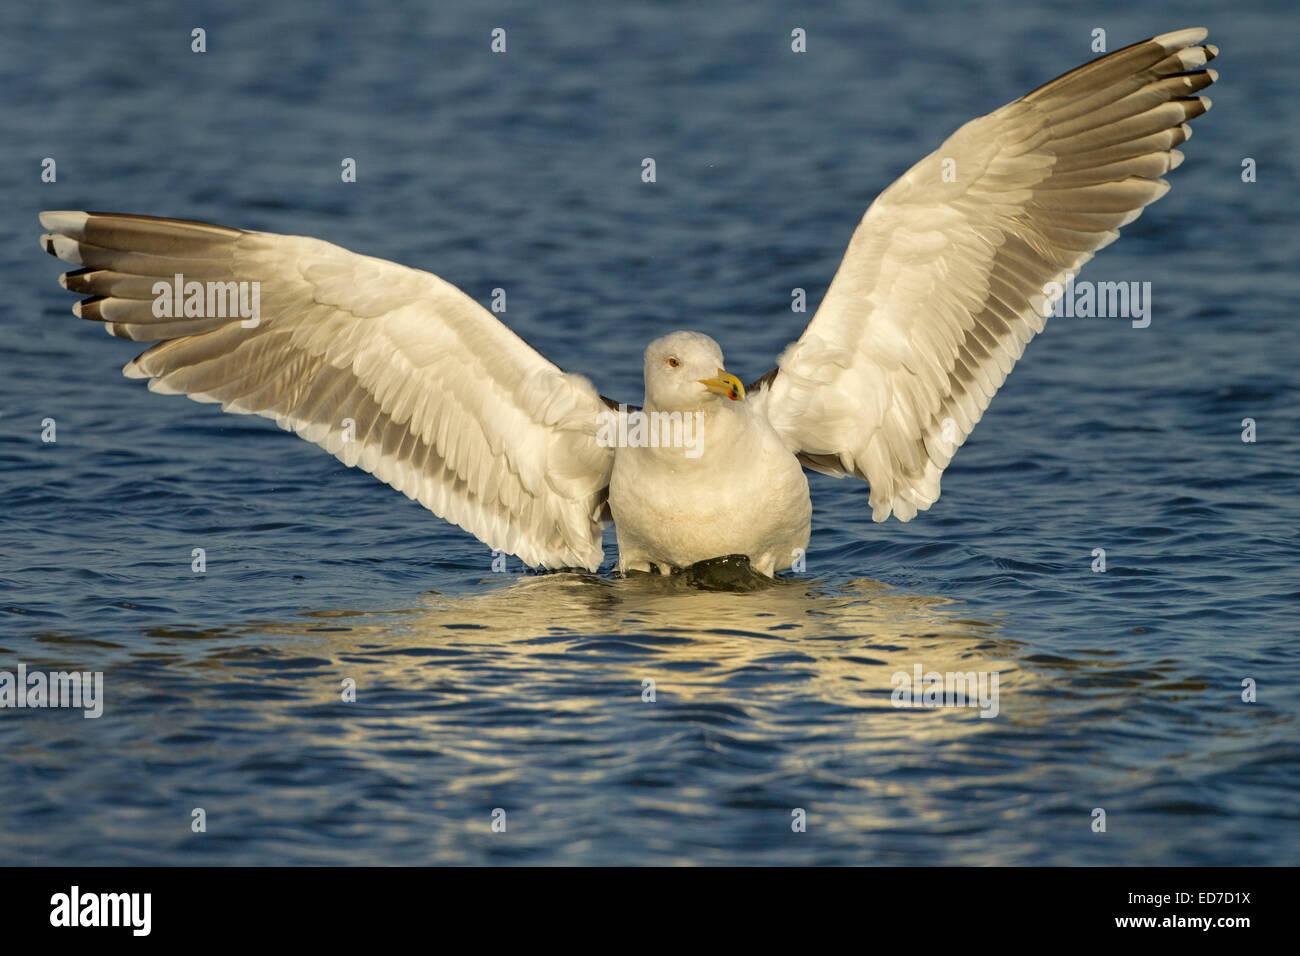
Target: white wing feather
(942,284)
(448,405)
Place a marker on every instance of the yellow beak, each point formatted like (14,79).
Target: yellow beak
(725,384)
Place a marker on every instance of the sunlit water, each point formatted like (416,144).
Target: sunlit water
(478,690)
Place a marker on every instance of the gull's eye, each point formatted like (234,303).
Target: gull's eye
(673,363)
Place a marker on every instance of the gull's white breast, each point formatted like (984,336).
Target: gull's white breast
(745,493)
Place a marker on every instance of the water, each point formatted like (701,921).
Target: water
(475,690)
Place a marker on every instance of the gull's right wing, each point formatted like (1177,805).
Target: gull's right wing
(943,281)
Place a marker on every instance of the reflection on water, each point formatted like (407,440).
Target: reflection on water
(533,697)
(840,644)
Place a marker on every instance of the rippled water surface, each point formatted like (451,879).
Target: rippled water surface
(479,690)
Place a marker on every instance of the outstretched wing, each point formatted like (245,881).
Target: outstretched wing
(943,281)
(387,368)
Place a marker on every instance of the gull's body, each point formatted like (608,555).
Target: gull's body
(672,517)
(745,493)
(394,370)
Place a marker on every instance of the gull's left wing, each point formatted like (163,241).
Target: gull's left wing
(387,368)
(943,281)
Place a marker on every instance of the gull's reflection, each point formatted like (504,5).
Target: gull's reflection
(547,638)
(841,643)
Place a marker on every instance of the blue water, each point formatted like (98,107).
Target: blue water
(477,690)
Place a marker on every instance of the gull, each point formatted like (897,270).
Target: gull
(946,278)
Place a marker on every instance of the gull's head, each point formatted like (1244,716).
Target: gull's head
(684,372)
